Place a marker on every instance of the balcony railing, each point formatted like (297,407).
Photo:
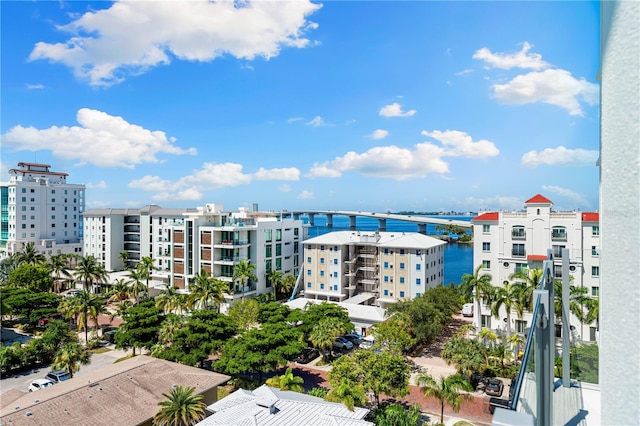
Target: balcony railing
(233,242)
(230,258)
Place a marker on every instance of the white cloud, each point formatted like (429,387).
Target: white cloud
(290,173)
(560,156)
(294,119)
(379,134)
(463,72)
(316,122)
(35,86)
(306,195)
(101,139)
(131,37)
(323,170)
(572,196)
(552,86)
(395,110)
(461,144)
(284,188)
(100,185)
(521,59)
(210,177)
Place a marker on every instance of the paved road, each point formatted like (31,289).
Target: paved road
(22,381)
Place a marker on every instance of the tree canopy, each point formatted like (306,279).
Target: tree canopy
(140,326)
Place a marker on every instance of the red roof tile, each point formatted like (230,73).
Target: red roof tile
(486,216)
(536,257)
(538,199)
(591,217)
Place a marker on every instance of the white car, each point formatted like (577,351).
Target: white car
(467,310)
(38,384)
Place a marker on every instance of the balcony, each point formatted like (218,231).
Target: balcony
(228,243)
(230,259)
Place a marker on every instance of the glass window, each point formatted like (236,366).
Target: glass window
(486,264)
(594,251)
(386,251)
(335,287)
(267,235)
(308,285)
(278,234)
(486,321)
(557,251)
(595,230)
(595,291)
(401,265)
(401,280)
(322,273)
(322,260)
(386,278)
(517,232)
(518,250)
(335,275)
(486,246)
(418,266)
(308,271)
(268,250)
(267,265)
(335,261)
(486,228)
(401,251)
(309,259)
(559,233)
(386,265)
(278,264)
(521,267)
(279,249)
(418,282)
(386,292)
(418,294)
(322,286)
(595,271)
(402,294)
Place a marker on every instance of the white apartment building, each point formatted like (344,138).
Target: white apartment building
(376,268)
(508,242)
(216,241)
(39,206)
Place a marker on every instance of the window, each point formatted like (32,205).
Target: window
(401,265)
(418,282)
(486,321)
(386,251)
(592,333)
(595,291)
(558,233)
(322,260)
(518,250)
(521,326)
(518,232)
(308,271)
(402,294)
(418,266)
(24,199)
(279,249)
(295,232)
(386,292)
(486,246)
(321,286)
(309,259)
(386,278)
(335,275)
(322,273)
(308,285)
(418,294)
(335,248)
(268,250)
(267,265)
(486,264)
(386,265)
(595,271)
(335,287)
(486,229)
(595,230)
(278,234)
(53,217)
(557,271)
(321,248)
(278,264)
(401,251)
(594,251)
(557,251)
(24,190)
(401,280)
(267,235)
(521,267)
(335,261)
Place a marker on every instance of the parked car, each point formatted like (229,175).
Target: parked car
(308,355)
(42,322)
(38,384)
(353,338)
(467,310)
(58,376)
(73,293)
(494,387)
(367,342)
(342,343)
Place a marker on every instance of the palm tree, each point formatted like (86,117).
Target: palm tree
(531,279)
(136,284)
(205,290)
(478,286)
(58,265)
(349,393)
(242,272)
(487,336)
(118,291)
(31,255)
(170,300)
(288,283)
(124,258)
(516,342)
(180,408)
(169,326)
(89,270)
(510,296)
(121,309)
(325,332)
(69,307)
(7,266)
(275,278)
(287,382)
(578,300)
(397,415)
(70,356)
(145,266)
(87,306)
(447,390)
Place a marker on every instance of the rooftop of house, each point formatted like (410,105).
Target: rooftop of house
(383,239)
(124,393)
(269,406)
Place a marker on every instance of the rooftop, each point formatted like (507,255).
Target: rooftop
(386,239)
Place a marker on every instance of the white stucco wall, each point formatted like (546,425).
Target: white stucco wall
(620,213)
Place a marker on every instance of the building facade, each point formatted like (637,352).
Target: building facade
(39,206)
(375,267)
(509,242)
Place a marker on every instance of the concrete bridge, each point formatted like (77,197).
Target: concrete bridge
(382,218)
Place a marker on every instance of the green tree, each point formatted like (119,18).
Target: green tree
(171,300)
(29,304)
(468,355)
(145,268)
(378,373)
(169,327)
(245,313)
(55,335)
(205,291)
(136,283)
(581,304)
(286,382)
(313,313)
(325,332)
(260,350)
(30,255)
(531,280)
(349,393)
(392,333)
(509,296)
(288,283)
(6,266)
(36,277)
(121,309)
(140,327)
(273,312)
(180,408)
(244,272)
(203,334)
(448,390)
(398,415)
(89,271)
(70,356)
(476,285)
(87,307)
(59,267)
(118,291)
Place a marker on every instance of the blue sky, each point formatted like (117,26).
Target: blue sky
(377,106)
